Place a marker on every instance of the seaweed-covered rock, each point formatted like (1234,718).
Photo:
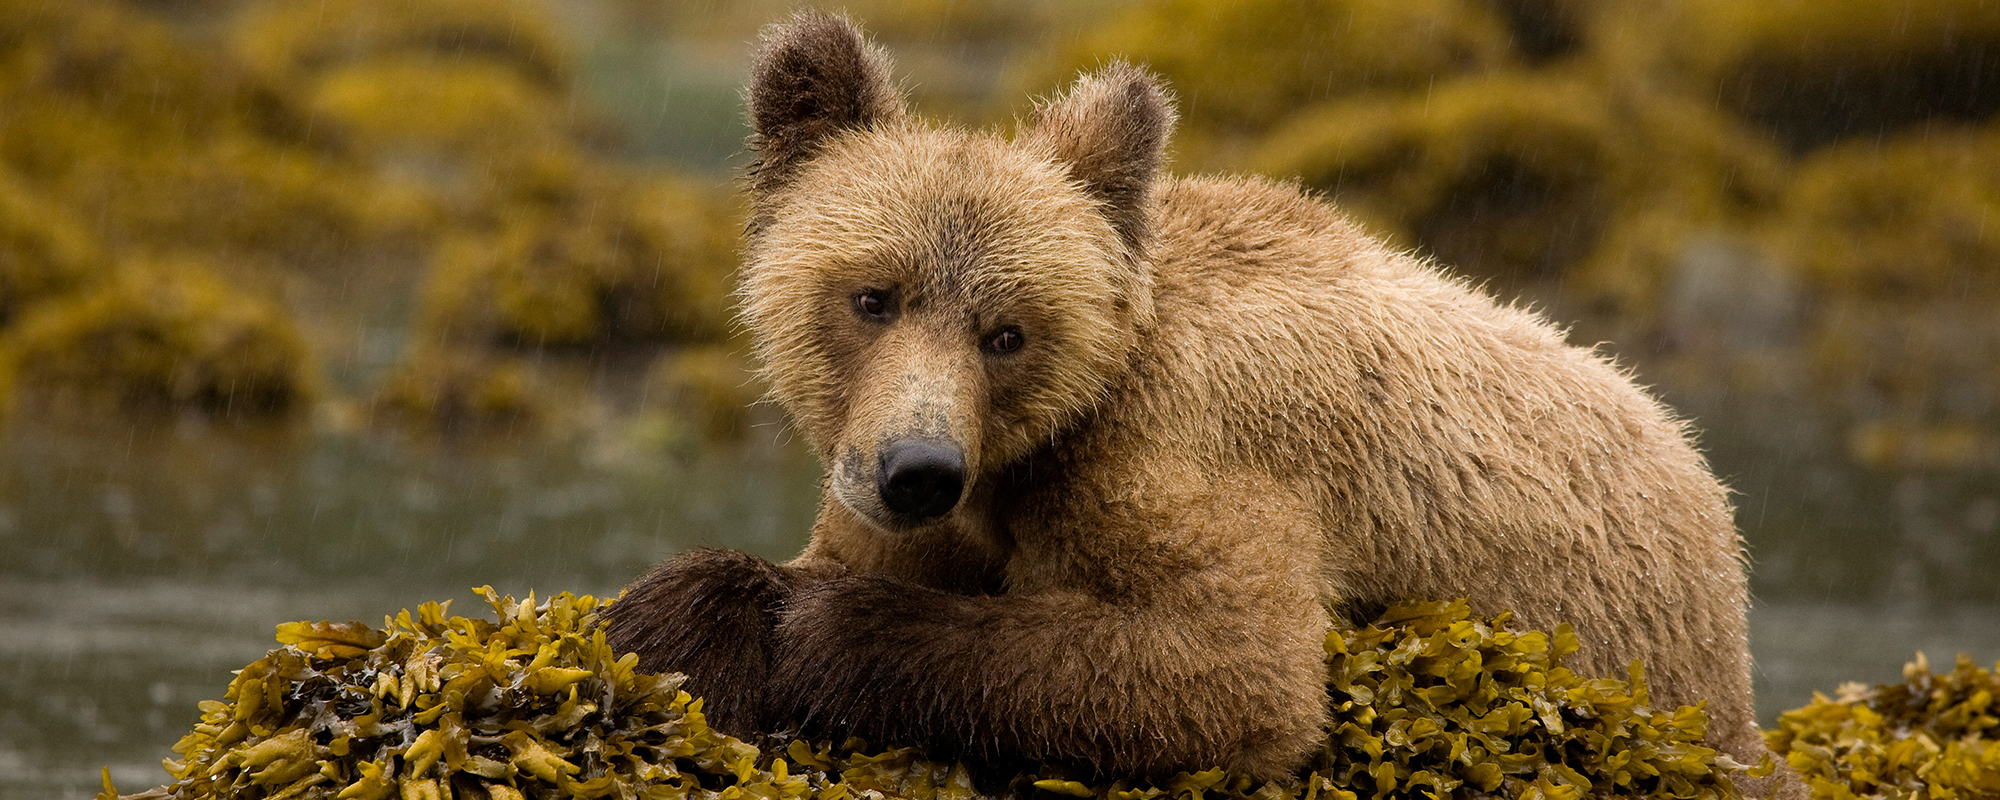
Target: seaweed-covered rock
(158,145)
(534,704)
(298,39)
(1428,700)
(438,96)
(117,65)
(1813,71)
(1933,735)
(574,260)
(711,391)
(452,104)
(1242,68)
(434,90)
(1520,179)
(1903,219)
(454,390)
(162,336)
(1891,240)
(44,250)
(436,706)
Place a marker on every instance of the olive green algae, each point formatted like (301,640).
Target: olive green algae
(1933,735)
(1428,701)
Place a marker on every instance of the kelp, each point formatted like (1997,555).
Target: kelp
(1933,735)
(1427,700)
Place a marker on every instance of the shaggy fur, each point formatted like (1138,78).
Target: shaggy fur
(736,596)
(1234,416)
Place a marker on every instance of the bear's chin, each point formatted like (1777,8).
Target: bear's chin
(860,500)
(884,521)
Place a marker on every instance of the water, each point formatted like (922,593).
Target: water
(144,564)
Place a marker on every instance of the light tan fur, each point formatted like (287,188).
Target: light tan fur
(1235,416)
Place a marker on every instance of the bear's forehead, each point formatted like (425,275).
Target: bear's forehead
(955,211)
(952,186)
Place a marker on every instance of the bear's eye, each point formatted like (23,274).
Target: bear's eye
(873,303)
(1007,340)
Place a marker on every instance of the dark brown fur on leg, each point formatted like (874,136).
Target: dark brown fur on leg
(1062,677)
(710,614)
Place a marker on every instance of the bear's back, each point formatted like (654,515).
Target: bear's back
(1455,446)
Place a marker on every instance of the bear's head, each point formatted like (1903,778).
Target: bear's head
(931,305)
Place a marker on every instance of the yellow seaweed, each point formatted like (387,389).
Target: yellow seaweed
(1933,735)
(537,704)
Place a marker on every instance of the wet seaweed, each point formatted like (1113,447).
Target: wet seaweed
(1427,700)
(1933,735)
(431,705)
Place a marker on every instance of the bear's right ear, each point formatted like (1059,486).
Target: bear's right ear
(815,76)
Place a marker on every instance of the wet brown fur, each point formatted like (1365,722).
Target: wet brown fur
(1235,416)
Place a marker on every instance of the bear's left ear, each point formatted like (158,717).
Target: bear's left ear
(1111,129)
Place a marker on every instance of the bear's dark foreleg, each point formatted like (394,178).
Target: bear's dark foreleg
(710,614)
(1147,689)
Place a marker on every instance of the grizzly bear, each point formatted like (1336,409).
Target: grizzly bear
(1108,451)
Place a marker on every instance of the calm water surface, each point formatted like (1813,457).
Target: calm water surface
(144,565)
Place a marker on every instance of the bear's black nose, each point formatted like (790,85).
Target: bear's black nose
(920,478)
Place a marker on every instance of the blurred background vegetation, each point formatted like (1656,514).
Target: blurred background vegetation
(407,294)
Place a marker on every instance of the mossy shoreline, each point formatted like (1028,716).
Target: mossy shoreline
(1429,701)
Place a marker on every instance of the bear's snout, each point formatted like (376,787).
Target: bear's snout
(920,478)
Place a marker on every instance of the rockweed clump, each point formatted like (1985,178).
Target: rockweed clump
(1427,699)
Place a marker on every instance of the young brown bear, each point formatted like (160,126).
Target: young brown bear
(1108,450)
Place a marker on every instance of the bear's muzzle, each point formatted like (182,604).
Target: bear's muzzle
(920,478)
